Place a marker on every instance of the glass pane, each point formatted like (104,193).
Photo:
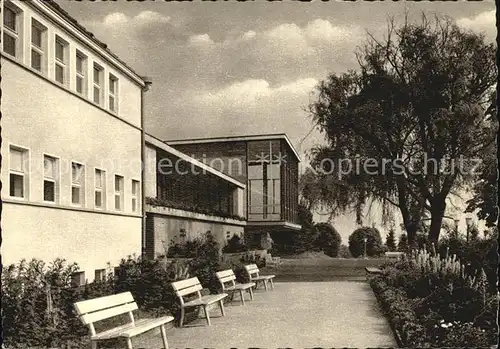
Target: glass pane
(79,84)
(16,185)
(9,18)
(77,172)
(118,183)
(36,60)
(75,195)
(9,44)
(277,192)
(273,171)
(255,171)
(98,178)
(16,160)
(97,95)
(49,165)
(134,187)
(256,195)
(49,191)
(258,151)
(97,76)
(98,199)
(60,51)
(111,103)
(79,64)
(118,202)
(112,85)
(60,73)
(36,36)
(134,204)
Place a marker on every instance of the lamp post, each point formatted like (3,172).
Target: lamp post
(468,222)
(365,239)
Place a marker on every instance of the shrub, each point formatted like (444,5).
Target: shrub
(188,249)
(373,244)
(328,240)
(207,263)
(344,252)
(235,245)
(390,241)
(403,243)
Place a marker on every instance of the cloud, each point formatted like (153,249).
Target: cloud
(484,22)
(141,19)
(200,40)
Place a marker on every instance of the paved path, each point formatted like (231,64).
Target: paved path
(298,315)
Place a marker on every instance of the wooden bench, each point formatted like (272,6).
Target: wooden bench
(227,276)
(273,262)
(191,287)
(394,255)
(254,276)
(98,309)
(373,270)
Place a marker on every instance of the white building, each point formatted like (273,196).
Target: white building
(71,147)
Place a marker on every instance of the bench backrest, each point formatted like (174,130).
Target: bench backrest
(226,276)
(394,254)
(252,270)
(187,287)
(97,309)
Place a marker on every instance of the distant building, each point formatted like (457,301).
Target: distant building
(71,148)
(268,165)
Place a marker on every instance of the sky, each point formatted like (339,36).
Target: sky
(232,68)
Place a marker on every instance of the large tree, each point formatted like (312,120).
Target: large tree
(406,128)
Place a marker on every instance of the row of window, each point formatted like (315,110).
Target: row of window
(19,182)
(13,46)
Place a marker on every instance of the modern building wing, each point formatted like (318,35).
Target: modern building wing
(268,164)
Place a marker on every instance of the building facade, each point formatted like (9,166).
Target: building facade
(268,165)
(71,148)
(185,199)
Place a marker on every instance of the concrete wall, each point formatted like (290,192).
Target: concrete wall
(170,224)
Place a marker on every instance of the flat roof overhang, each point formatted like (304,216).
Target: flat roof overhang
(273,225)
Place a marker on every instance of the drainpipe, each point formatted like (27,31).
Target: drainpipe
(145,89)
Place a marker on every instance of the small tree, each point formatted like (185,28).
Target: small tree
(403,243)
(373,242)
(390,241)
(329,239)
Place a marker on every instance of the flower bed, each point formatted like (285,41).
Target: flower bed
(435,301)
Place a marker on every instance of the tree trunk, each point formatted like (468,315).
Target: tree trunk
(411,232)
(438,207)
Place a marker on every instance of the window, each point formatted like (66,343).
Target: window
(61,60)
(18,172)
(11,29)
(100,275)
(78,279)
(118,193)
(37,45)
(49,178)
(113,92)
(135,195)
(77,184)
(97,84)
(81,68)
(100,192)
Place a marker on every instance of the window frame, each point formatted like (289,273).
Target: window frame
(25,173)
(113,81)
(16,33)
(136,196)
(102,189)
(80,185)
(81,74)
(40,50)
(55,180)
(64,63)
(99,85)
(120,193)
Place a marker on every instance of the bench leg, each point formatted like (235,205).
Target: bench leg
(272,283)
(265,285)
(182,316)
(221,305)
(251,293)
(164,336)
(206,314)
(93,344)
(129,343)
(242,296)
